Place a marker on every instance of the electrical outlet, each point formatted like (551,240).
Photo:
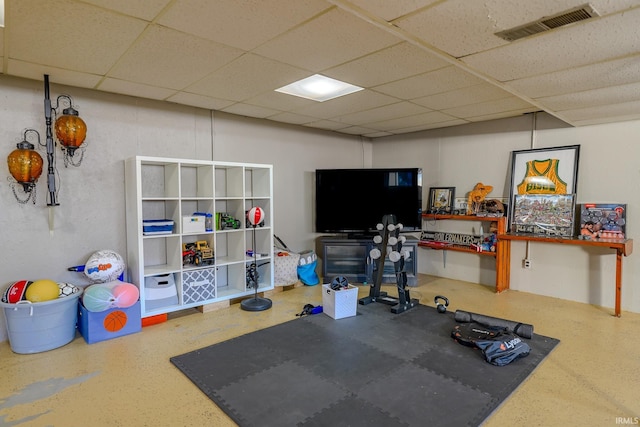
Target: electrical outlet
(526,263)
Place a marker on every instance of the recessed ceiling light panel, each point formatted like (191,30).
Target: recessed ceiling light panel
(319,88)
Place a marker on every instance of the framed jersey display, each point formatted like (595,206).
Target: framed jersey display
(543,172)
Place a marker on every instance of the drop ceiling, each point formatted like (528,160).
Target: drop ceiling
(424,64)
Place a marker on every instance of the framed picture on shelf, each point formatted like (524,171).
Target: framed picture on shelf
(544,215)
(543,171)
(441,199)
(602,220)
(460,206)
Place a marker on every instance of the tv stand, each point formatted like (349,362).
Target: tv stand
(349,257)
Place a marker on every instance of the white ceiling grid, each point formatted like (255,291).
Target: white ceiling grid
(424,64)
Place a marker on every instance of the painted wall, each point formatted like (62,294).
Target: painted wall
(481,152)
(91,214)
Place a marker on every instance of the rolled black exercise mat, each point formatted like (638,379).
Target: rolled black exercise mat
(522,329)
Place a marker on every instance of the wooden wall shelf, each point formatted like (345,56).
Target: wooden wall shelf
(622,248)
(503,247)
(502,254)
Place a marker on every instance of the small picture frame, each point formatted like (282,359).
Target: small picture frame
(460,205)
(441,200)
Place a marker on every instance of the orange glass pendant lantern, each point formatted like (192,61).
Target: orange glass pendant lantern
(71,130)
(25,166)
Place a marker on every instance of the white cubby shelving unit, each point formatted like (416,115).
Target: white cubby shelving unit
(170,189)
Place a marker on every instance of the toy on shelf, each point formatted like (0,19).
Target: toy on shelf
(476,197)
(225,221)
(197,253)
(489,243)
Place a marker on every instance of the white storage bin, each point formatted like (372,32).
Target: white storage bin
(341,303)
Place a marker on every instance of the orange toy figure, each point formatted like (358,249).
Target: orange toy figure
(476,197)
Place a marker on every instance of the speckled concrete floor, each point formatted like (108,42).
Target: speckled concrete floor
(590,379)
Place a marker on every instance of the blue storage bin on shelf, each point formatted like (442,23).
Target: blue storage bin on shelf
(112,323)
(157,226)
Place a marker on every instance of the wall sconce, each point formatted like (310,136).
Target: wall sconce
(25,165)
(71,131)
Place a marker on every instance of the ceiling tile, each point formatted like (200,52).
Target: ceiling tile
(245,25)
(571,46)
(412,121)
(358,130)
(250,110)
(490,107)
(428,126)
(134,89)
(389,10)
(328,40)
(595,97)
(599,114)
(51,33)
(182,58)
(327,124)
(293,118)
(610,73)
(384,112)
(279,101)
(147,9)
(500,115)
(56,75)
(247,77)
(358,101)
(387,65)
(465,96)
(462,27)
(377,134)
(442,80)
(199,101)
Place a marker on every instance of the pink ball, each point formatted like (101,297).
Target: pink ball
(255,215)
(125,294)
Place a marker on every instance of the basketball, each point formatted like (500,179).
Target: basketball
(15,292)
(42,290)
(115,321)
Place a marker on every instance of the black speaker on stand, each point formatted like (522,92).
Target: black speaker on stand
(255,217)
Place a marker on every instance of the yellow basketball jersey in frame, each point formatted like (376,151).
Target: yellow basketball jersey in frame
(541,177)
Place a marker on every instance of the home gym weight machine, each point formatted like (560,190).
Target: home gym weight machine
(389,243)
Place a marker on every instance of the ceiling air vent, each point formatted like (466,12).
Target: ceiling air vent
(549,23)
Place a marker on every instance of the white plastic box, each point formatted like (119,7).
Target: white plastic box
(341,303)
(193,224)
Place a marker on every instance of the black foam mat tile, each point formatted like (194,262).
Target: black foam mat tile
(375,369)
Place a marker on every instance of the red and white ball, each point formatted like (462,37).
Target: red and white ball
(255,215)
(16,292)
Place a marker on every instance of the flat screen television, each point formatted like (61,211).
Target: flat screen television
(354,201)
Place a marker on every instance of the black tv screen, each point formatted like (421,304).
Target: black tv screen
(355,200)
